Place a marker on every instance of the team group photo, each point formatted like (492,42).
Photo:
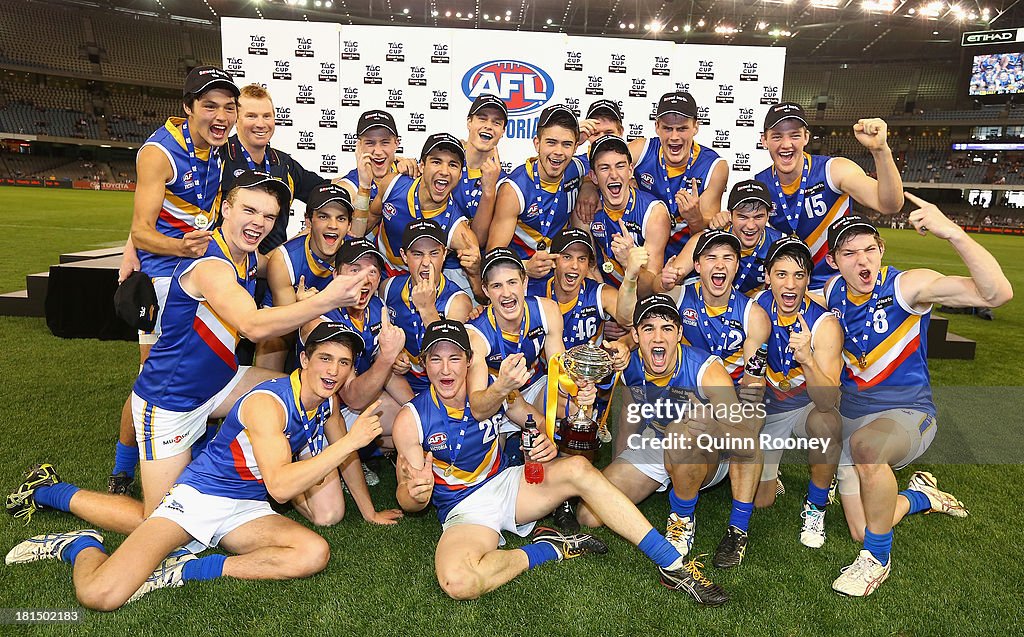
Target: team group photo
(363,324)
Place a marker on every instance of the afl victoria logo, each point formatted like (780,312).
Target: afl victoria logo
(522,86)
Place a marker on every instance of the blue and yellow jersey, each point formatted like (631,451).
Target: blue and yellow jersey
(466,451)
(403,313)
(467,192)
(786,390)
(195,356)
(227,466)
(653,175)
(751,274)
(719,330)
(823,203)
(583,317)
(529,340)
(544,211)
(399,208)
(182,201)
(352,179)
(368,327)
(302,262)
(685,378)
(605,226)
(893,372)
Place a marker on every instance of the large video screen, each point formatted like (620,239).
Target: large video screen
(997,74)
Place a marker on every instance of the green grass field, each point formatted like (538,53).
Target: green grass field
(61,400)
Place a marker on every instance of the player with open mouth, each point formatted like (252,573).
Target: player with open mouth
(477,190)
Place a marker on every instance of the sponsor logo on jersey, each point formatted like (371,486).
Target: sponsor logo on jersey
(532,212)
(524,87)
(690,316)
(388,210)
(597,229)
(438,441)
(647,180)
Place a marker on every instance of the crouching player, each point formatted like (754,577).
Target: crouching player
(221,497)
(448,457)
(887,408)
(802,381)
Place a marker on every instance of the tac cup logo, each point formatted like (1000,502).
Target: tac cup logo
(745,117)
(329,163)
(749,72)
(595,85)
(328,118)
(653,115)
(417,123)
(440,55)
(350,96)
(328,72)
(282,116)
(417,76)
(304,48)
(770,94)
(721,138)
(574,105)
(394,99)
(306,140)
(742,162)
(660,65)
(257,45)
(639,87)
(282,70)
(683,87)
(573,61)
(523,87)
(725,95)
(439,101)
(305,94)
(348,143)
(234,67)
(395,52)
(372,74)
(617,64)
(704,115)
(636,131)
(705,70)
(350,50)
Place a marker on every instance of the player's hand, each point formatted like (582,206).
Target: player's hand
(800,342)
(193,244)
(424,293)
(129,263)
(408,166)
(751,391)
(540,264)
(697,421)
(366,427)
(622,243)
(587,203)
(588,128)
(302,292)
(636,260)
(418,482)
(721,220)
(402,365)
(513,373)
(871,133)
(543,449)
(385,517)
(475,312)
(688,206)
(587,394)
(928,218)
(671,276)
(364,168)
(469,260)
(490,170)
(346,289)
(613,331)
(391,339)
(619,353)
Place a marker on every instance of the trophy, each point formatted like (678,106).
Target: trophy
(579,433)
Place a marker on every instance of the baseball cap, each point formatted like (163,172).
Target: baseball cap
(845,224)
(749,190)
(660,303)
(445,330)
(497,256)
(339,333)
(203,78)
(374,119)
(570,236)
(486,100)
(605,107)
(354,249)
(445,141)
(423,228)
(552,111)
(252,178)
(135,301)
(787,242)
(784,110)
(327,193)
(609,142)
(677,103)
(714,236)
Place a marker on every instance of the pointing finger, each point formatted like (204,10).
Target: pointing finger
(914,199)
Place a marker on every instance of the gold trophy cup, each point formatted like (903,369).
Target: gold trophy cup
(579,432)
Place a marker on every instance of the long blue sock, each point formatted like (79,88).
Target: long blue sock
(740,515)
(682,508)
(655,546)
(125,459)
(57,496)
(879,545)
(816,495)
(539,553)
(205,568)
(70,553)
(918,501)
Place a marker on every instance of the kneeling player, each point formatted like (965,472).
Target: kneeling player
(221,498)
(448,457)
(887,408)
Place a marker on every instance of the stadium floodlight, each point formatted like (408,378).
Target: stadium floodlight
(656,27)
(700,22)
(686,28)
(885,6)
(825,4)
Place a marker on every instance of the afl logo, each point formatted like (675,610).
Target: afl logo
(532,211)
(690,316)
(388,210)
(647,179)
(438,441)
(522,86)
(597,228)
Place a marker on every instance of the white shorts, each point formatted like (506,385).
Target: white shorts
(651,462)
(530,394)
(162,433)
(459,278)
(920,427)
(208,518)
(161,284)
(492,505)
(781,427)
